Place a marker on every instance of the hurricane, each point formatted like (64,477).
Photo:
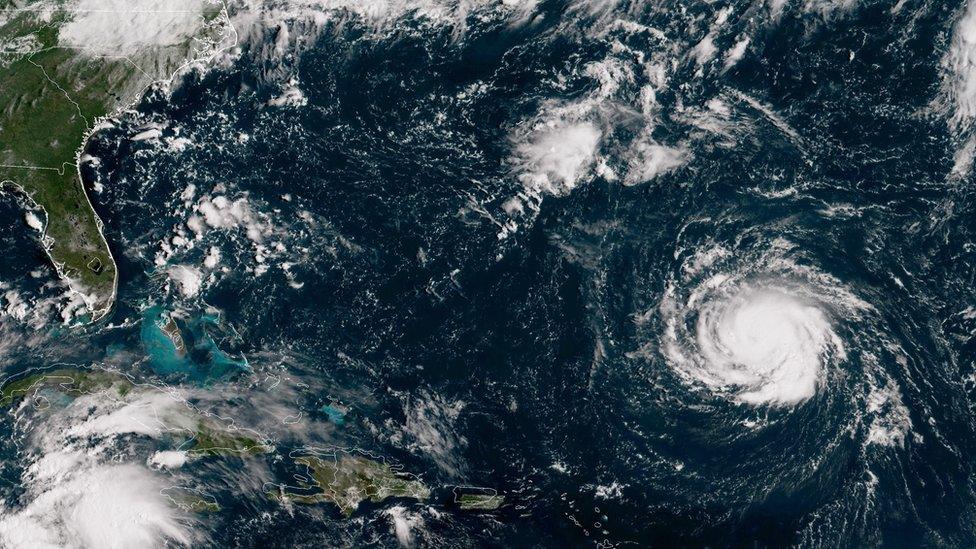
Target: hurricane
(764,342)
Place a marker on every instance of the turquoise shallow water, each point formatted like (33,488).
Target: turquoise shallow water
(200,361)
(334,414)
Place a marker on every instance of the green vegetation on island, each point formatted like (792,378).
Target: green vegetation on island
(171,330)
(480,501)
(191,500)
(349,480)
(211,440)
(53,94)
(69,381)
(197,504)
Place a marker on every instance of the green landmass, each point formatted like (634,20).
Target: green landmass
(480,502)
(191,500)
(172,331)
(70,381)
(51,97)
(198,504)
(210,440)
(350,480)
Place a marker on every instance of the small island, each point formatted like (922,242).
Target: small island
(477,499)
(191,500)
